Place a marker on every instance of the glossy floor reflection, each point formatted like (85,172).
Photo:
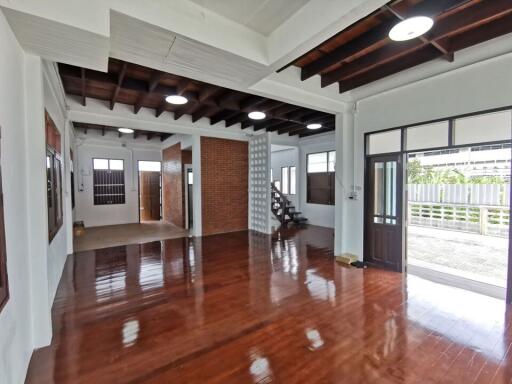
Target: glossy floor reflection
(249,308)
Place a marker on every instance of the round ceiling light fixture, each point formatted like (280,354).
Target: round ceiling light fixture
(125,130)
(411,28)
(176,99)
(314,126)
(257,115)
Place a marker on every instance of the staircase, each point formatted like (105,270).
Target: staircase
(283,209)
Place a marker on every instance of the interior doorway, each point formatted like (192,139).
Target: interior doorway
(458,212)
(150,191)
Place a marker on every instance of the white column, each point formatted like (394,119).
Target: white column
(348,195)
(196,188)
(37,236)
(68,209)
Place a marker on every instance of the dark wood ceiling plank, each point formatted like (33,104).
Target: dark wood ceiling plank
(423,55)
(155,78)
(208,92)
(161,108)
(144,89)
(367,39)
(222,115)
(82,74)
(483,33)
(120,79)
(467,18)
(201,112)
(374,59)
(268,124)
(446,54)
(251,102)
(236,119)
(309,132)
(377,36)
(470,18)
(325,120)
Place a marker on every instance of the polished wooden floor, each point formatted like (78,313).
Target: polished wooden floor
(249,308)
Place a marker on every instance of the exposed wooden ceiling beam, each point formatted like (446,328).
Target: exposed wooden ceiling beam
(446,53)
(252,102)
(472,17)
(82,73)
(378,36)
(308,132)
(373,37)
(482,33)
(222,115)
(204,100)
(423,55)
(120,79)
(236,119)
(268,124)
(201,112)
(155,78)
(328,120)
(209,92)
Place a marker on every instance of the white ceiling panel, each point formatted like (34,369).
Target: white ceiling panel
(138,42)
(261,16)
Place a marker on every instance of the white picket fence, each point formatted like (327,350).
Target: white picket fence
(476,208)
(470,194)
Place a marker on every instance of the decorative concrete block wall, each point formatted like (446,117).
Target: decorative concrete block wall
(259,183)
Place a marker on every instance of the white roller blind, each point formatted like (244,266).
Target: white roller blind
(384,142)
(427,136)
(489,127)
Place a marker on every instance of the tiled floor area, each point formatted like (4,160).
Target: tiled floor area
(124,234)
(250,308)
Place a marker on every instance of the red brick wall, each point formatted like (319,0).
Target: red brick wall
(224,184)
(172,186)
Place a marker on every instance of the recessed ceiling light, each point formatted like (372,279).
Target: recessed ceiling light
(125,130)
(411,28)
(314,126)
(176,99)
(256,115)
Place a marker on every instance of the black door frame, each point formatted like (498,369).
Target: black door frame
(399,157)
(403,152)
(138,186)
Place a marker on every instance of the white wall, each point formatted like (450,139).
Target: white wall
(95,147)
(287,158)
(15,318)
(58,249)
(317,214)
(473,88)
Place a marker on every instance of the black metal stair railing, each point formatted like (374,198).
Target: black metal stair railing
(283,209)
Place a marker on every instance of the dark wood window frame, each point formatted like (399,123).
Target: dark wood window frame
(109,187)
(54,191)
(53,178)
(320,186)
(4,281)
(288,181)
(285,180)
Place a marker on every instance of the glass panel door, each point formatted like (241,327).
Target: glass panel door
(383,224)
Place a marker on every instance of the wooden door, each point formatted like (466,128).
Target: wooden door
(149,187)
(383,217)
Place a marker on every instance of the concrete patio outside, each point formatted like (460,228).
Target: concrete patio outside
(468,255)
